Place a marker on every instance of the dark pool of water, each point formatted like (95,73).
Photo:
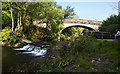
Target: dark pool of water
(15,58)
(11,58)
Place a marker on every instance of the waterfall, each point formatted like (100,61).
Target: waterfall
(34,50)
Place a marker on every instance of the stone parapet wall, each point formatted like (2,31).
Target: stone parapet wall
(83,21)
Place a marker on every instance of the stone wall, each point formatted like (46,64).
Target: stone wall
(83,21)
(103,35)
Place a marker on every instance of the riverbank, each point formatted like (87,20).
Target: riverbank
(83,55)
(96,56)
(22,43)
(19,38)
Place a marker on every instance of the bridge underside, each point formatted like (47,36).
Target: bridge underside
(91,29)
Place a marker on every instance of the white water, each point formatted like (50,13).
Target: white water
(30,49)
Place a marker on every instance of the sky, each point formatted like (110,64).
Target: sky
(97,11)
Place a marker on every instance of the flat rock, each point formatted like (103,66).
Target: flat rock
(26,41)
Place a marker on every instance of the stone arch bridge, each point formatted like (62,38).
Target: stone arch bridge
(88,24)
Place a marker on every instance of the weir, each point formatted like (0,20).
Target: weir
(30,49)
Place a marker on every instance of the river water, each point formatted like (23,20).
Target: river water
(11,57)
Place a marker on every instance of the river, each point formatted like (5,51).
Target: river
(13,57)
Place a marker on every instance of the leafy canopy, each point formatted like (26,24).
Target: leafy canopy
(111,24)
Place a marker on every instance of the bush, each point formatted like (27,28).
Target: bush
(9,37)
(5,19)
(83,44)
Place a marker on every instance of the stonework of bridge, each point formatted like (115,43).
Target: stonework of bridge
(88,24)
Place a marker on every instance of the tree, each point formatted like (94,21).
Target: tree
(12,9)
(54,19)
(111,24)
(11,13)
(48,12)
(7,14)
(19,15)
(24,13)
(68,12)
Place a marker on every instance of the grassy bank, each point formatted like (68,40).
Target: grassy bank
(85,54)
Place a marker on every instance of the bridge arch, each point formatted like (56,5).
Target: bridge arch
(89,28)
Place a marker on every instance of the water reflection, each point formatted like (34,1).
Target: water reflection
(17,56)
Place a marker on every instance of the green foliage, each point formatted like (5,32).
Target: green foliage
(69,12)
(83,44)
(112,54)
(89,44)
(5,19)
(72,33)
(49,13)
(24,13)
(64,62)
(55,65)
(0,36)
(78,54)
(6,33)
(117,69)
(9,37)
(83,63)
(73,30)
(111,24)
(55,18)
(52,66)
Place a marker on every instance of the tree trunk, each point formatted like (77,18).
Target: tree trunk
(46,26)
(18,22)
(12,20)
(11,13)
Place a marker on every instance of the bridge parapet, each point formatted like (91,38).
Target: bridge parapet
(82,21)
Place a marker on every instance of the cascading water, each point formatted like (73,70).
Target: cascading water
(34,50)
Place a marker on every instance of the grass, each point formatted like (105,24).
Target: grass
(85,50)
(83,63)
(78,55)
(73,56)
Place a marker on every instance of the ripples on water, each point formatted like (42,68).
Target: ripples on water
(34,50)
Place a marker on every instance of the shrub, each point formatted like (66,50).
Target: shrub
(9,37)
(83,44)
